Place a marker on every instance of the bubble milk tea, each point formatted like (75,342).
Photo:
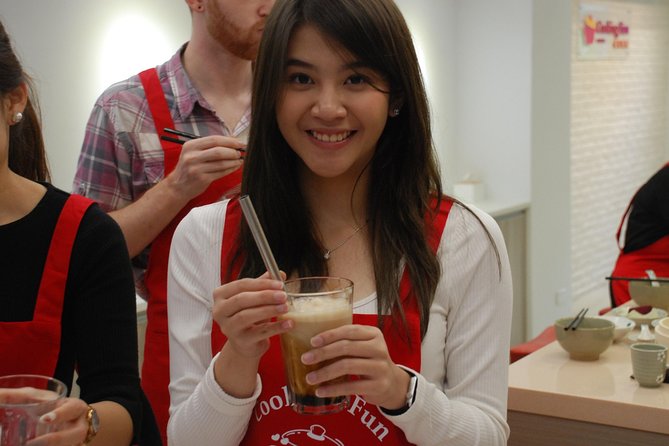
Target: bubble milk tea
(312,313)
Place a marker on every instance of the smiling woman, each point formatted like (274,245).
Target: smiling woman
(340,161)
(332,110)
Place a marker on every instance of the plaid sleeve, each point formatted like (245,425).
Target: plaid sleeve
(104,169)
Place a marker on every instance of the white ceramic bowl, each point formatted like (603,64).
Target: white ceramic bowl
(623,326)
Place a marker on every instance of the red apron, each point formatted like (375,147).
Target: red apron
(634,264)
(156,365)
(273,422)
(39,346)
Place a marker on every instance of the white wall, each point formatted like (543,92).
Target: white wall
(492,101)
(549,270)
(75,48)
(427,19)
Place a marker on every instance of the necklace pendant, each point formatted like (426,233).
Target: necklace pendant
(326,256)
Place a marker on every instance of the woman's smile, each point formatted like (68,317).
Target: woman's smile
(330,136)
(333,108)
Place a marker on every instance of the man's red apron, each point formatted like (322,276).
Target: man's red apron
(274,422)
(156,365)
(34,346)
(634,264)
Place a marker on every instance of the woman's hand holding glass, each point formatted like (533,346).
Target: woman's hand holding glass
(363,353)
(70,418)
(245,310)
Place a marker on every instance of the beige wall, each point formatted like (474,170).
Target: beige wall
(618,137)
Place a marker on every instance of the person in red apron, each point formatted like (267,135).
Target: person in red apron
(156,364)
(148,184)
(344,180)
(646,245)
(67,298)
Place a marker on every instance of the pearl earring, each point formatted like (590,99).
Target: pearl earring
(18,116)
(396,112)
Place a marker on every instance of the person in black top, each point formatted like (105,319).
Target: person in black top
(646,244)
(67,300)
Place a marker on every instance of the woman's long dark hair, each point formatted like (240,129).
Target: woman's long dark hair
(27,156)
(404,175)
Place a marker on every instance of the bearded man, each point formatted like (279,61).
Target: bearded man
(148,183)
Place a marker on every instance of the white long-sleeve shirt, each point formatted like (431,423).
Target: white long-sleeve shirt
(462,385)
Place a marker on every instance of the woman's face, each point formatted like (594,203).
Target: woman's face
(332,109)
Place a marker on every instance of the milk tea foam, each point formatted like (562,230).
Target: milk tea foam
(311,315)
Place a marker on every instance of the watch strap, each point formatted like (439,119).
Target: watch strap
(410,397)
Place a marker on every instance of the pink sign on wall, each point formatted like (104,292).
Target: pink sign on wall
(604,31)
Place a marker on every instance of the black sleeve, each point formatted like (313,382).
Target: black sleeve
(101,293)
(649,217)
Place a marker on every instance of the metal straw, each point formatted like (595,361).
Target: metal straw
(259,237)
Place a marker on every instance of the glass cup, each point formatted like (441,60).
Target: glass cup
(315,304)
(23,400)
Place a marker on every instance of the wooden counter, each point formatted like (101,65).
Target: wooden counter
(554,400)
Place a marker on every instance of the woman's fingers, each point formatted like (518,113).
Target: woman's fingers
(70,418)
(246,311)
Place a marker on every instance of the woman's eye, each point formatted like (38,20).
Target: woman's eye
(356,79)
(299,78)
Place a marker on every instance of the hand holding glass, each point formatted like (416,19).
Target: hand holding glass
(23,400)
(316,304)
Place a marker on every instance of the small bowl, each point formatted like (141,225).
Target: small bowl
(592,337)
(623,326)
(638,318)
(644,293)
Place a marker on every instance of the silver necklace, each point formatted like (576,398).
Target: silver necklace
(328,252)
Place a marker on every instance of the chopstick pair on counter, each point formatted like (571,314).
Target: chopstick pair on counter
(577,320)
(183,135)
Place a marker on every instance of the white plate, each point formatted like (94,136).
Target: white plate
(638,318)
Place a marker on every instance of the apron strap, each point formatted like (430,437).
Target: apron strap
(162,118)
(51,295)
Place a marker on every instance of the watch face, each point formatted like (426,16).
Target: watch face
(95,421)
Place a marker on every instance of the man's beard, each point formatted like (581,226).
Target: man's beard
(243,43)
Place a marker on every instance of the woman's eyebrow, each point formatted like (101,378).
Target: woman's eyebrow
(355,65)
(298,63)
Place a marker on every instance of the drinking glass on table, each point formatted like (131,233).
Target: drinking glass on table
(23,400)
(315,304)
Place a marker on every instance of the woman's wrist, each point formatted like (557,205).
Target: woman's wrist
(236,374)
(401,401)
